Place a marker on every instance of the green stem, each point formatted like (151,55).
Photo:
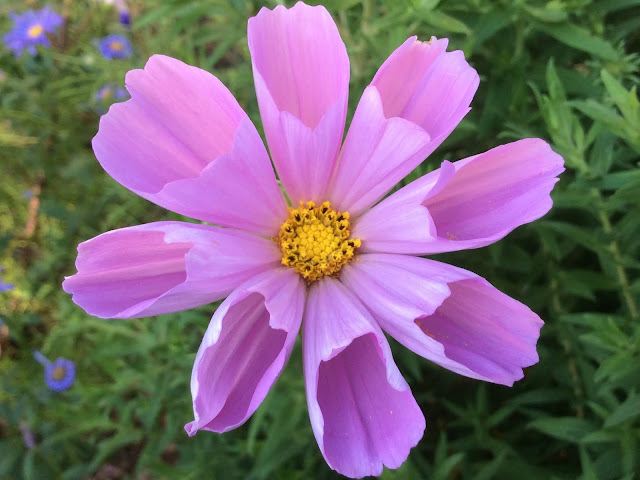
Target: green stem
(576,380)
(614,249)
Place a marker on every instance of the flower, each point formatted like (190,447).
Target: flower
(124,17)
(5,286)
(107,94)
(60,374)
(110,92)
(123,10)
(342,261)
(30,29)
(28,436)
(115,46)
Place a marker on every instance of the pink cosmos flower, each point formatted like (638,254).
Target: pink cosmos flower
(341,262)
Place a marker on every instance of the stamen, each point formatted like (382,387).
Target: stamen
(59,373)
(35,31)
(315,240)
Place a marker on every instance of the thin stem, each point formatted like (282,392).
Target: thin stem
(617,257)
(576,380)
(41,359)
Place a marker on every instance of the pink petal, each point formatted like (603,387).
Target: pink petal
(416,99)
(377,153)
(245,349)
(301,73)
(423,83)
(448,315)
(164,267)
(183,142)
(362,412)
(468,204)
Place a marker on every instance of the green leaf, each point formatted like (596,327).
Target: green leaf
(581,39)
(445,22)
(571,429)
(626,411)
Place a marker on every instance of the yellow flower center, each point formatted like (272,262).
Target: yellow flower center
(117,46)
(315,240)
(35,31)
(106,94)
(58,373)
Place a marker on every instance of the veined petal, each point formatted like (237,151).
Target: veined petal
(468,204)
(164,267)
(244,350)
(362,411)
(301,73)
(378,152)
(447,315)
(183,142)
(418,96)
(423,83)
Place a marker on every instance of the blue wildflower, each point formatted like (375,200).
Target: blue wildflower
(60,374)
(115,46)
(124,18)
(5,286)
(30,29)
(27,435)
(108,92)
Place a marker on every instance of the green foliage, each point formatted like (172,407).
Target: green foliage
(563,70)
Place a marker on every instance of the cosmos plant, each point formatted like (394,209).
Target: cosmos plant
(340,263)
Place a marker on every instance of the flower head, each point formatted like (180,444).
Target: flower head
(115,46)
(4,286)
(124,17)
(60,374)
(341,262)
(123,10)
(109,92)
(28,437)
(30,29)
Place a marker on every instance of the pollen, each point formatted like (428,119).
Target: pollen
(315,240)
(35,31)
(116,46)
(59,373)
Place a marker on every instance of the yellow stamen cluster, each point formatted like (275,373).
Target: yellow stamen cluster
(58,373)
(35,31)
(117,46)
(315,240)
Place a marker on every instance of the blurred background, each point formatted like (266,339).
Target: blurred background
(562,70)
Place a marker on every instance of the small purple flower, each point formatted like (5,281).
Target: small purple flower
(30,29)
(5,286)
(60,374)
(115,46)
(108,92)
(27,435)
(123,10)
(124,18)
